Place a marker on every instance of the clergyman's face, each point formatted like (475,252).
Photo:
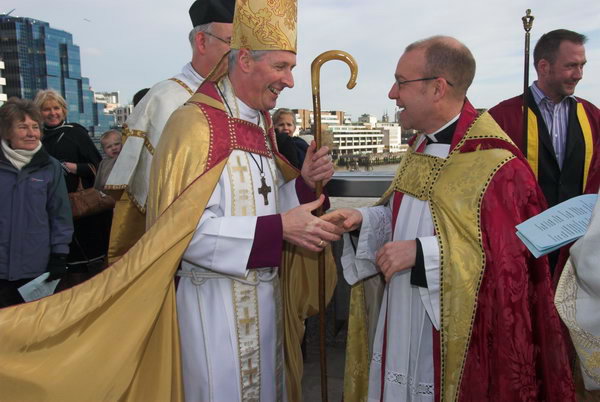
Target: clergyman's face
(286,124)
(268,76)
(411,97)
(218,44)
(566,71)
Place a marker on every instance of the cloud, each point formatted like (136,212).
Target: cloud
(142,42)
(91,51)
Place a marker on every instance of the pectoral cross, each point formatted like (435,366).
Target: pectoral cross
(264,190)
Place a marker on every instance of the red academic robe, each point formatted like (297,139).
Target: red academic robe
(516,348)
(581,168)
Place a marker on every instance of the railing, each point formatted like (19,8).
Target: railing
(359,184)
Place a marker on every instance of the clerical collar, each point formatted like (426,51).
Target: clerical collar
(444,134)
(190,73)
(247,113)
(236,107)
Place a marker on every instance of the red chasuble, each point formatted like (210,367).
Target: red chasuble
(505,343)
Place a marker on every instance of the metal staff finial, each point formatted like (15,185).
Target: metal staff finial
(527,25)
(315,69)
(527,20)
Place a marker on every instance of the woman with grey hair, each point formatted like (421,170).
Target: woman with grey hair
(35,214)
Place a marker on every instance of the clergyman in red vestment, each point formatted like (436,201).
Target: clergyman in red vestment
(467,312)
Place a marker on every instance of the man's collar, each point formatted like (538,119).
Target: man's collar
(189,71)
(539,96)
(234,105)
(433,137)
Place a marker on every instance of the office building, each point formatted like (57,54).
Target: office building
(3,96)
(38,57)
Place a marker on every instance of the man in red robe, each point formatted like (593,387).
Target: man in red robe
(467,312)
(562,141)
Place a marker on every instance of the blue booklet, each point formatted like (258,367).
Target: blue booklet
(38,288)
(562,224)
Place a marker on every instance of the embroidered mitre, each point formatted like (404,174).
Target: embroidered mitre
(265,25)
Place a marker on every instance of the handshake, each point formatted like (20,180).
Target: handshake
(315,234)
(302,228)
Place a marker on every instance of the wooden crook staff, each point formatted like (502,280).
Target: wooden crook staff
(315,70)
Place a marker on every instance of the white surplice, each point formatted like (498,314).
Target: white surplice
(411,311)
(212,319)
(578,297)
(145,124)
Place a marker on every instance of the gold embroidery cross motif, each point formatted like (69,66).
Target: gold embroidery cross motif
(264,190)
(247,321)
(250,372)
(240,169)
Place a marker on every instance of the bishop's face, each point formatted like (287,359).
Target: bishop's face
(412,97)
(267,77)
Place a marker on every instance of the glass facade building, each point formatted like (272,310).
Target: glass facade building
(37,57)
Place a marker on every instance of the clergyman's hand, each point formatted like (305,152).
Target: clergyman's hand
(303,229)
(317,165)
(396,256)
(348,219)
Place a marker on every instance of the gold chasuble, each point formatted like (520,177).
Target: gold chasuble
(115,337)
(454,187)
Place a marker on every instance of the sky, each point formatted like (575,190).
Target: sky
(127,45)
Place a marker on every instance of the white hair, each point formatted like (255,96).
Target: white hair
(197,29)
(255,54)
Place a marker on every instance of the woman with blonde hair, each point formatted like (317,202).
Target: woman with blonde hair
(71,144)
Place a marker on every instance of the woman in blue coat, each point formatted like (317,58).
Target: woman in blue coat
(35,214)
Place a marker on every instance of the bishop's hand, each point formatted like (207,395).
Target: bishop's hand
(317,165)
(302,228)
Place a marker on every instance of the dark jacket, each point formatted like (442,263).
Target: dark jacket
(71,142)
(35,216)
(293,148)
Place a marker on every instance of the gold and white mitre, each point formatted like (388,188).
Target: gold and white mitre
(265,25)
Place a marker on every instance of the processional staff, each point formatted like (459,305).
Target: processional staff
(527,24)
(315,69)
